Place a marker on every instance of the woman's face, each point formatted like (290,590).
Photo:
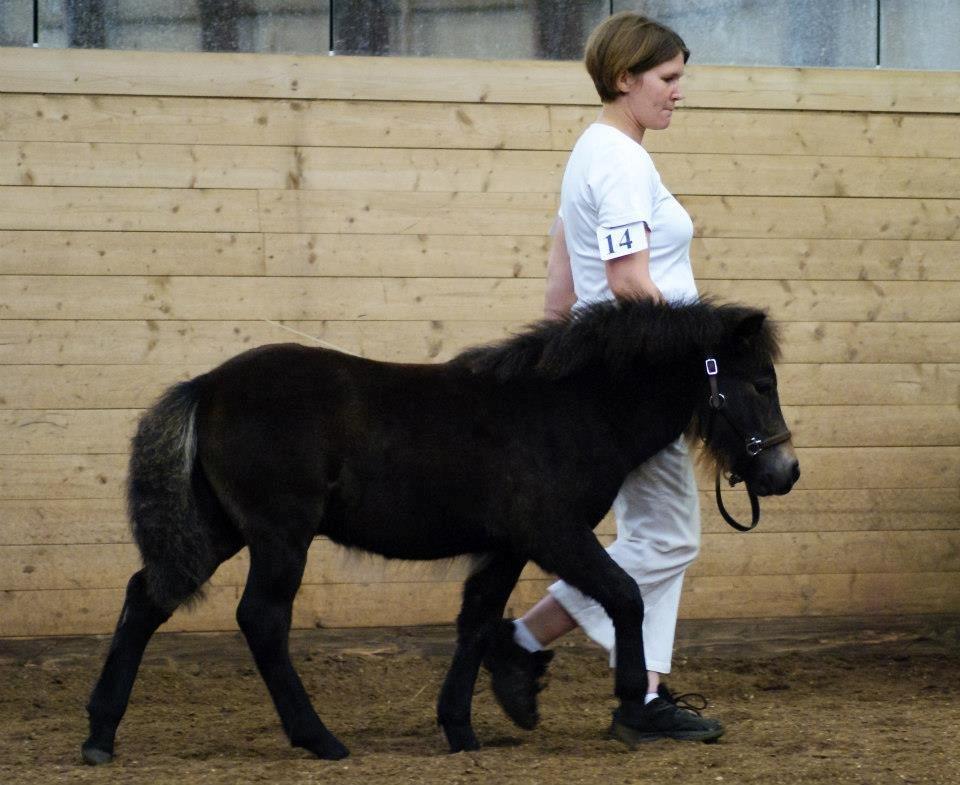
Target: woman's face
(649,97)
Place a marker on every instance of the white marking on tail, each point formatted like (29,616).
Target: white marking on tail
(188,439)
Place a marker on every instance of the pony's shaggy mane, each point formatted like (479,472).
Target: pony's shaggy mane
(617,334)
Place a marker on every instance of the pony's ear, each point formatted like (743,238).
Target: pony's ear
(749,326)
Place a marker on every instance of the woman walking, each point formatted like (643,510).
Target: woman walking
(620,233)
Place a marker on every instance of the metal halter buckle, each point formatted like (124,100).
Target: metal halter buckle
(717,399)
(754,446)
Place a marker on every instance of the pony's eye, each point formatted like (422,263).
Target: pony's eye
(764,386)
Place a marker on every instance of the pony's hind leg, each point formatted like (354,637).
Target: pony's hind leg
(484,596)
(264,615)
(139,619)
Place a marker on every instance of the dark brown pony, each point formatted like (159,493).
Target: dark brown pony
(511,453)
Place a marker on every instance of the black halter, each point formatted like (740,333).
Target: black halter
(753,444)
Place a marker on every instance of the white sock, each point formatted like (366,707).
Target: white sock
(525,638)
(649,697)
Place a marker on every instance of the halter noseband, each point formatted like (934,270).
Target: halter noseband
(753,444)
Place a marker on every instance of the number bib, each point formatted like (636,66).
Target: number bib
(622,240)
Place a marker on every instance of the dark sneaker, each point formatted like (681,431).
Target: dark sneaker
(665,717)
(515,675)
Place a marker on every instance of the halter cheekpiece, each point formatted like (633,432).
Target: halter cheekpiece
(753,444)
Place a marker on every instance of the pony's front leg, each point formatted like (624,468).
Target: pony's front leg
(578,558)
(484,596)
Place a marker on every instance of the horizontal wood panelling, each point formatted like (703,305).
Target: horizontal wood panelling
(834,259)
(870,342)
(128,209)
(727,216)
(819,595)
(35,568)
(177,342)
(806,217)
(178,120)
(744,131)
(87,611)
(289,76)
(313,255)
(131,253)
(809,385)
(63,521)
(841,301)
(98,476)
(880,467)
(378,212)
(91,521)
(410,213)
(872,426)
(826,176)
(481,81)
(509,171)
(92,611)
(160,213)
(831,553)
(195,297)
(47,431)
(106,119)
(199,297)
(297,168)
(442,256)
(839,89)
(874,384)
(88,386)
(62,476)
(185,342)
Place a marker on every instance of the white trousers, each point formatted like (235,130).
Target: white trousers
(658,536)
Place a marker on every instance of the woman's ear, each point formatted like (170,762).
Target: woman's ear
(626,80)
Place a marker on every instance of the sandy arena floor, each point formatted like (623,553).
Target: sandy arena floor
(874,707)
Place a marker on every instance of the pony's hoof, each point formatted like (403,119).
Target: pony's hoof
(327,748)
(95,756)
(333,751)
(461,738)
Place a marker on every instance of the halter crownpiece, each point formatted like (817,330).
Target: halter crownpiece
(716,397)
(753,444)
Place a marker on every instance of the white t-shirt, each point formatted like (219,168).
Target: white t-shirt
(611,194)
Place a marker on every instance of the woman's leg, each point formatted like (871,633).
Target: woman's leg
(548,620)
(658,537)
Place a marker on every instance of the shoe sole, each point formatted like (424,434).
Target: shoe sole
(634,738)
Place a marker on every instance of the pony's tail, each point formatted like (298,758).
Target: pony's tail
(164,515)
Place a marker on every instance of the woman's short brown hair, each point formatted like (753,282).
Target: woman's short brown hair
(628,42)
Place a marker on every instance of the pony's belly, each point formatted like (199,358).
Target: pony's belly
(407,539)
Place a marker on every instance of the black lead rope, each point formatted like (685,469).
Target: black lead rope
(754,508)
(753,445)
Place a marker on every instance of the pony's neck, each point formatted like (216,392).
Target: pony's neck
(656,408)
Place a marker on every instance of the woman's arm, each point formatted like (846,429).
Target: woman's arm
(629,276)
(560,295)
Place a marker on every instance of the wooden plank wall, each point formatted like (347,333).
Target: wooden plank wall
(162,212)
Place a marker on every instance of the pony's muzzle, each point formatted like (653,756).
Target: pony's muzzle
(777,471)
